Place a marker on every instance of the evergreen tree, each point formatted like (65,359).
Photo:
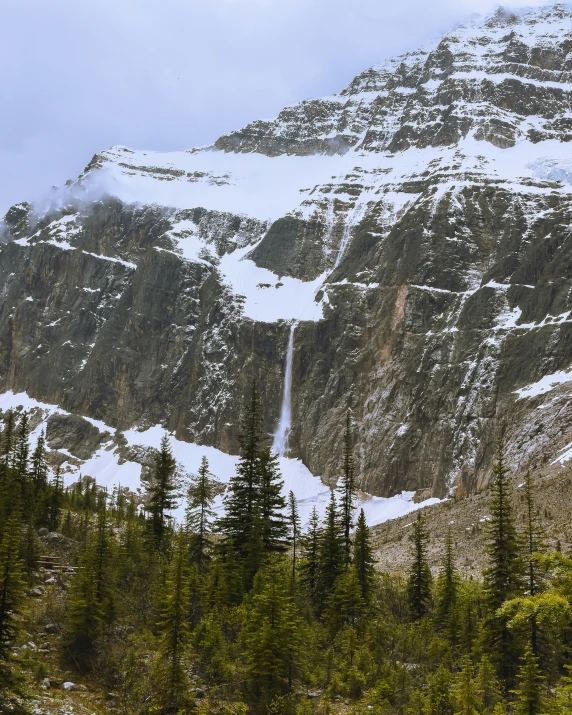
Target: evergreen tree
(39,472)
(363,558)
(419,582)
(20,465)
(465,690)
(174,631)
(294,523)
(162,494)
(12,692)
(7,446)
(309,567)
(345,606)
(447,591)
(11,584)
(331,552)
(273,636)
(347,489)
(529,699)
(503,577)
(200,516)
(9,497)
(534,544)
(91,605)
(238,523)
(488,688)
(271,504)
(55,500)
(440,701)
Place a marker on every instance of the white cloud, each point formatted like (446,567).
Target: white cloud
(167,74)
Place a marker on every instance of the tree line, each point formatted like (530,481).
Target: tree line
(251,613)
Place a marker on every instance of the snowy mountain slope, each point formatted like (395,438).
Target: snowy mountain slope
(416,226)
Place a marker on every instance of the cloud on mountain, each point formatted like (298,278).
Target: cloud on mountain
(79,77)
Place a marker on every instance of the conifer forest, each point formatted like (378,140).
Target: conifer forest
(253,612)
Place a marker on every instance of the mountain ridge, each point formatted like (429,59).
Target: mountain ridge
(417,232)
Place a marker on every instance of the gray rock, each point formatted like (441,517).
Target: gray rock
(36,592)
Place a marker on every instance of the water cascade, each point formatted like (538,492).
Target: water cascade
(280,444)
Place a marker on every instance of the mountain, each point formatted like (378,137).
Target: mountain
(414,229)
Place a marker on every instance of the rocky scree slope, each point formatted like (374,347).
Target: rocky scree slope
(416,227)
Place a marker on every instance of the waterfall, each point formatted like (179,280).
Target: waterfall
(280,444)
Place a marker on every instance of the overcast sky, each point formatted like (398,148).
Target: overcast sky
(78,76)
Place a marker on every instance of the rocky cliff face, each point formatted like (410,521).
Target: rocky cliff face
(416,226)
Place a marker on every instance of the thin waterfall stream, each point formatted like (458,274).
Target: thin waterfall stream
(280,444)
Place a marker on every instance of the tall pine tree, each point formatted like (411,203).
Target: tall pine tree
(347,488)
(363,558)
(200,516)
(503,576)
(162,493)
(419,582)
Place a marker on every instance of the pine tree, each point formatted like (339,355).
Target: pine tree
(174,631)
(309,567)
(294,523)
(345,605)
(488,687)
(55,498)
(465,690)
(241,501)
(503,577)
(529,699)
(162,494)
(11,584)
(9,497)
(271,504)
(200,516)
(273,635)
(447,592)
(91,606)
(363,558)
(331,553)
(440,700)
(39,472)
(347,489)
(20,464)
(419,582)
(534,544)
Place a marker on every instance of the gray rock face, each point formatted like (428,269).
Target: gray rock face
(439,242)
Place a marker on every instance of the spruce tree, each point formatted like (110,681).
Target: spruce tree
(39,472)
(447,592)
(200,516)
(529,699)
(534,542)
(12,691)
(331,553)
(55,498)
(294,524)
(310,564)
(503,576)
(91,605)
(363,558)
(174,631)
(347,489)
(419,582)
(465,690)
(271,504)
(11,584)
(240,501)
(20,464)
(162,494)
(273,635)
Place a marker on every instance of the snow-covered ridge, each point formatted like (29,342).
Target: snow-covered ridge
(108,468)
